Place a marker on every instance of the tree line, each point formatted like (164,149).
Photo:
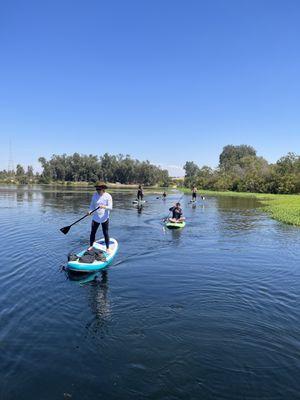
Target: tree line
(240,169)
(90,168)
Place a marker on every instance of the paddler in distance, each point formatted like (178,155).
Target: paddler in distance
(103,200)
(194,194)
(140,193)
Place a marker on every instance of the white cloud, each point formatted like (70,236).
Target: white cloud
(174,170)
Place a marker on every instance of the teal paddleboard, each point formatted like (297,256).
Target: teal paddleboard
(96,265)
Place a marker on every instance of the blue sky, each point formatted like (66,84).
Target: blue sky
(163,80)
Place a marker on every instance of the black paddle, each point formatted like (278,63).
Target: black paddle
(66,229)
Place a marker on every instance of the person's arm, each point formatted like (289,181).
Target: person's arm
(171,209)
(109,205)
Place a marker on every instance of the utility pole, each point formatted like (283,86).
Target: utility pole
(11,167)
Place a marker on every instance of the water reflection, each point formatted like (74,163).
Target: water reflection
(97,295)
(236,215)
(233,329)
(176,236)
(81,278)
(139,209)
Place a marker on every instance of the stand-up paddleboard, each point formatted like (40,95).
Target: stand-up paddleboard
(174,225)
(139,202)
(95,265)
(195,201)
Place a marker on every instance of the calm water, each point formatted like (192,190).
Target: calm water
(209,312)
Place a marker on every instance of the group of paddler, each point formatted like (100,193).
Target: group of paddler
(102,202)
(100,207)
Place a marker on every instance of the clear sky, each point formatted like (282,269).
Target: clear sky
(164,80)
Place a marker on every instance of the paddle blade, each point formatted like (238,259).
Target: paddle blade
(65,229)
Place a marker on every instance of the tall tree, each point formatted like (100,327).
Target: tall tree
(191,173)
(232,155)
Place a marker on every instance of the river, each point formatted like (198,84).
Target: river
(208,312)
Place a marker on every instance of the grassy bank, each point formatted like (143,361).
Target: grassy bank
(282,207)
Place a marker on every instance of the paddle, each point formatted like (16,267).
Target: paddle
(66,229)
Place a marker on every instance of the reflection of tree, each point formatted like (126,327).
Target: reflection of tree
(20,196)
(66,201)
(236,214)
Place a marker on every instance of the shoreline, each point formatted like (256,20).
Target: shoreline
(84,185)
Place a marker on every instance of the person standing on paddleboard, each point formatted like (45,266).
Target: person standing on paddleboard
(102,200)
(194,193)
(140,193)
(176,213)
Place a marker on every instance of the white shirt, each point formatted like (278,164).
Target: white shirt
(102,214)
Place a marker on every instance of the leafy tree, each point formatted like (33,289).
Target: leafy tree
(29,172)
(191,173)
(240,169)
(110,168)
(20,171)
(232,155)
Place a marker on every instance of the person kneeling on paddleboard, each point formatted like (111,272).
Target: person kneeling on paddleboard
(176,213)
(140,193)
(102,200)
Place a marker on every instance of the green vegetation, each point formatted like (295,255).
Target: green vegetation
(241,170)
(282,207)
(90,168)
(244,174)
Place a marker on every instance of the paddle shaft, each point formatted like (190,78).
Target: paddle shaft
(84,216)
